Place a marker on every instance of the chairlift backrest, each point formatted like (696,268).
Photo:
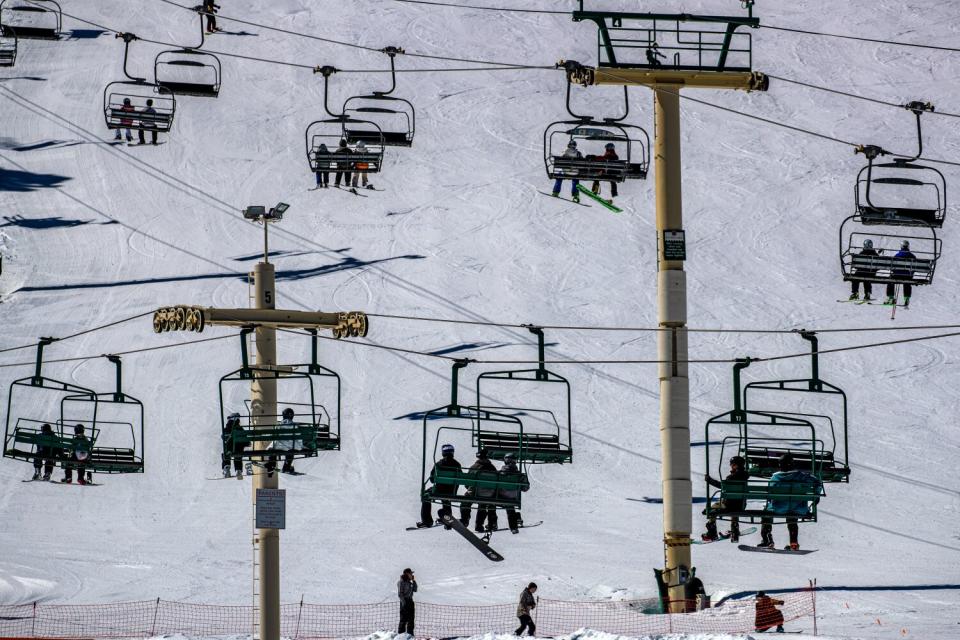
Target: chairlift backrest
(205,82)
(39,19)
(901,193)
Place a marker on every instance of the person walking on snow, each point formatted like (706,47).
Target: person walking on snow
(210,10)
(572,153)
(361,166)
(46,453)
(901,273)
(799,506)
(609,155)
(446,461)
(406,587)
(867,250)
(527,604)
(125,121)
(767,615)
(736,479)
(510,468)
(485,513)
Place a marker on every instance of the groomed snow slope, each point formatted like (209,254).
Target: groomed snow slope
(96,233)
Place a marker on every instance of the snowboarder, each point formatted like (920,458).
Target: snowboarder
(571,152)
(149,121)
(901,273)
(867,250)
(485,513)
(323,177)
(46,453)
(785,477)
(767,615)
(289,447)
(693,588)
(406,587)
(446,461)
(210,10)
(361,167)
(125,121)
(343,168)
(527,604)
(609,155)
(738,474)
(653,55)
(231,447)
(79,454)
(510,467)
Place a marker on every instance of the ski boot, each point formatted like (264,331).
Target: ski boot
(793,546)
(711,533)
(287,468)
(46,477)
(556,194)
(81,480)
(576,197)
(889,300)
(36,475)
(854,296)
(239,474)
(369,186)
(767,542)
(906,301)
(226,471)
(867,298)
(67,480)
(424,525)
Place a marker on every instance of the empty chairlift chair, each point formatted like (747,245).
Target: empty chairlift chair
(188,71)
(8,47)
(396,116)
(36,19)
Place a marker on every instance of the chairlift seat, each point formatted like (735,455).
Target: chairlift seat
(120,119)
(765,461)
(36,31)
(114,460)
(307,434)
(898,216)
(804,494)
(587,169)
(390,138)
(537,447)
(31,440)
(488,487)
(8,47)
(346,161)
(202,90)
(891,269)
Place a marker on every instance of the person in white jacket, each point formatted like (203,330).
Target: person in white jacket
(571,152)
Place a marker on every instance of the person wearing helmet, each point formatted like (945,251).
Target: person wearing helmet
(510,471)
(901,273)
(343,164)
(446,461)
(323,167)
(573,155)
(609,155)
(233,447)
(737,478)
(290,446)
(361,167)
(125,121)
(148,121)
(46,453)
(788,478)
(485,513)
(79,456)
(867,250)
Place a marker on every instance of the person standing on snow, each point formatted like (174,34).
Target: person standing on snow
(527,604)
(609,155)
(210,10)
(446,461)
(572,153)
(767,615)
(901,273)
(737,478)
(406,587)
(867,250)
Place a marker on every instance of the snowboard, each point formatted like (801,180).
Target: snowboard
(353,191)
(145,144)
(724,536)
(598,199)
(523,526)
(546,193)
(438,523)
(61,482)
(481,546)
(249,470)
(798,552)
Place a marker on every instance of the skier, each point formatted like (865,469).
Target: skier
(446,461)
(406,587)
(901,273)
(79,453)
(767,615)
(149,121)
(527,604)
(693,588)
(289,446)
(343,168)
(361,166)
(510,467)
(609,155)
(738,474)
(485,513)
(46,452)
(571,152)
(785,477)
(125,121)
(323,177)
(867,250)
(653,53)
(231,447)
(210,10)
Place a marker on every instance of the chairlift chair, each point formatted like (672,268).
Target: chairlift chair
(886,267)
(549,444)
(36,19)
(900,193)
(314,428)
(396,115)
(8,47)
(187,71)
(120,115)
(457,423)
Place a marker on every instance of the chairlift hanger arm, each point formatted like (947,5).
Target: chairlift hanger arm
(127,39)
(188,318)
(392,53)
(918,108)
(626,103)
(328,71)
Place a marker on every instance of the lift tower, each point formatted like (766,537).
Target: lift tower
(266,319)
(668,52)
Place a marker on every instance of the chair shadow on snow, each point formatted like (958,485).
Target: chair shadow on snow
(25,181)
(52,222)
(85,34)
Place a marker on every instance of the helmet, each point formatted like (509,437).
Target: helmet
(510,457)
(233,415)
(905,245)
(361,145)
(868,244)
(609,146)
(149,102)
(343,142)
(447,449)
(482,454)
(126,101)
(288,413)
(572,144)
(78,428)
(46,428)
(786,462)
(738,460)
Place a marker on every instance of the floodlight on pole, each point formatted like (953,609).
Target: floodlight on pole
(259,213)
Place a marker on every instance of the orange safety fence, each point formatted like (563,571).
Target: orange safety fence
(303,620)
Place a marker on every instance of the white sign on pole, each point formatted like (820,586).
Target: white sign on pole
(271,509)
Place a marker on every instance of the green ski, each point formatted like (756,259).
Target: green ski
(599,200)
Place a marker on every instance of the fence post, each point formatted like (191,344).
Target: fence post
(813,595)
(296,633)
(33,622)
(156,609)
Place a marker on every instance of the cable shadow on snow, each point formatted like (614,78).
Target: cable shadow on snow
(878,587)
(25,181)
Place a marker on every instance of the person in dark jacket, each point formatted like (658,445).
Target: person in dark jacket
(343,168)
(693,588)
(867,250)
(46,453)
(485,513)
(901,273)
(509,468)
(738,474)
(767,615)
(406,587)
(797,506)
(527,604)
(78,456)
(323,166)
(609,155)
(148,121)
(232,449)
(210,10)
(447,461)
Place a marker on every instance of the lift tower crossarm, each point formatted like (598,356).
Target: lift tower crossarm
(590,76)
(189,318)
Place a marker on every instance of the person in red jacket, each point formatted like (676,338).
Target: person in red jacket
(609,154)
(768,616)
(126,122)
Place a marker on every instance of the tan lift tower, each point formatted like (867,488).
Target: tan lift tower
(678,51)
(266,318)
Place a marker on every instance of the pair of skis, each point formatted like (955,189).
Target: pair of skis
(590,194)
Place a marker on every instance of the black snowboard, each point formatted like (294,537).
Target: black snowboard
(481,546)
(798,552)
(523,526)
